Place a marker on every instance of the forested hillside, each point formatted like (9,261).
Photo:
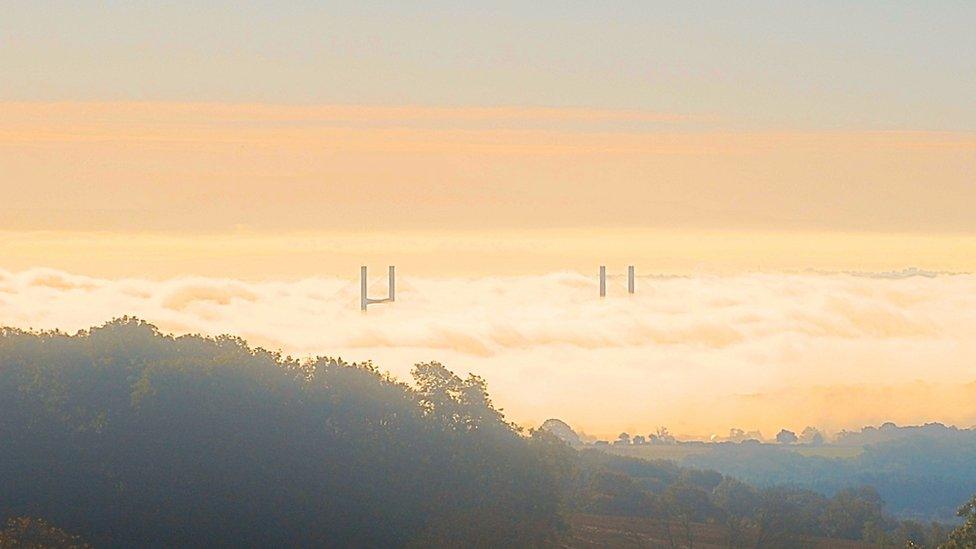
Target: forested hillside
(923,474)
(749,516)
(122,436)
(129,437)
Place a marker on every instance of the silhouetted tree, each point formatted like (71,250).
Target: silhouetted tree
(663,436)
(786,437)
(811,436)
(132,437)
(965,535)
(34,533)
(847,513)
(686,504)
(739,503)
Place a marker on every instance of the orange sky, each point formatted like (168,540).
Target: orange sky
(211,188)
(216,167)
(248,255)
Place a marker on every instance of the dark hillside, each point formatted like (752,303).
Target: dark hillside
(121,436)
(132,438)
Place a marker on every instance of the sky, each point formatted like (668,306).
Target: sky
(497,153)
(340,117)
(830,65)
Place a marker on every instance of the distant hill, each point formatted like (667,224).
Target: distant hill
(921,472)
(637,532)
(122,436)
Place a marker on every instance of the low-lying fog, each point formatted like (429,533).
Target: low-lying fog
(698,354)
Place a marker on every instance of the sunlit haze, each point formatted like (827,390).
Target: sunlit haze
(794,184)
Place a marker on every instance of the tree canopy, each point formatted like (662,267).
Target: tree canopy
(134,437)
(129,437)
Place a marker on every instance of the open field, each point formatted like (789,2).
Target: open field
(674,452)
(610,531)
(842,452)
(678,452)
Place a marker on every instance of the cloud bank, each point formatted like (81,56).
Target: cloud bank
(700,354)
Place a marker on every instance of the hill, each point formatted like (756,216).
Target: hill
(123,436)
(129,437)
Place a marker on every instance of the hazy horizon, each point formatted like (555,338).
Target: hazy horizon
(700,354)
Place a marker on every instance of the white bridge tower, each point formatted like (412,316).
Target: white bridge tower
(365,300)
(603,280)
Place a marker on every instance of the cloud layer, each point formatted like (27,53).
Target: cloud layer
(701,354)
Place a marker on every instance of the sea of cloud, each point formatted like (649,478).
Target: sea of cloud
(700,354)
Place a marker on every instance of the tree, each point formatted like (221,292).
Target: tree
(623,438)
(132,437)
(811,436)
(36,533)
(739,502)
(753,436)
(562,430)
(965,535)
(786,437)
(687,504)
(850,510)
(875,534)
(786,515)
(638,439)
(663,436)
(736,434)
(614,493)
